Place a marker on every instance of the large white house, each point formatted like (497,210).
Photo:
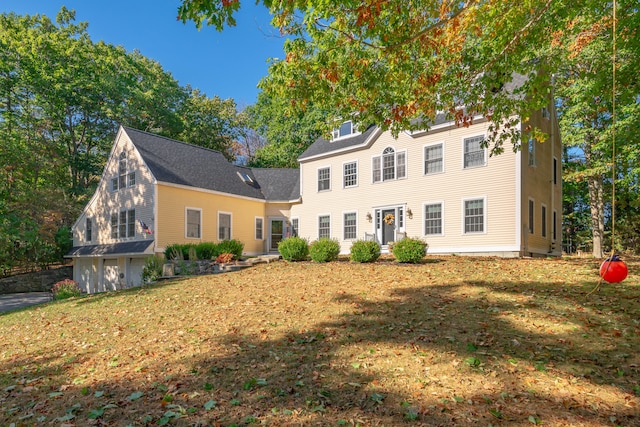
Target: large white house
(439,185)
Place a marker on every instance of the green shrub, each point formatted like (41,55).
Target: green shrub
(294,248)
(177,251)
(66,288)
(152,268)
(324,250)
(410,250)
(206,250)
(232,246)
(365,251)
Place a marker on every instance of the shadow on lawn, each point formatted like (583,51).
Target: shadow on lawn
(332,371)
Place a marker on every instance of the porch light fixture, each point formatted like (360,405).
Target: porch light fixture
(409,213)
(369,217)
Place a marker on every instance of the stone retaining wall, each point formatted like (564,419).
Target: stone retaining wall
(40,281)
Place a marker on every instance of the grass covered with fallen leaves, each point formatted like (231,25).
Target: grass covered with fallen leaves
(453,341)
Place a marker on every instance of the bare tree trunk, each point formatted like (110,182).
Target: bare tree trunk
(596,199)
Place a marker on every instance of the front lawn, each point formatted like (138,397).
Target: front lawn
(453,341)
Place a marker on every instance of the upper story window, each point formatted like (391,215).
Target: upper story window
(433,159)
(555,170)
(532,151)
(346,129)
(390,165)
(123,224)
(350,174)
(125,178)
(324,179)
(88,230)
(474,154)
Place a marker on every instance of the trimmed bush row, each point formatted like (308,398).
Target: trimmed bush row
(203,251)
(409,250)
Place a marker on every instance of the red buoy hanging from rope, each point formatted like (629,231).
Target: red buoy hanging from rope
(613,269)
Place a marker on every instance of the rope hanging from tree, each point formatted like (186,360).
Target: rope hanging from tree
(613,269)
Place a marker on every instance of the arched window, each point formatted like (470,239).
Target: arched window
(390,165)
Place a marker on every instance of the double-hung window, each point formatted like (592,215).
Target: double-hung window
(194,223)
(295,226)
(532,151)
(324,226)
(543,215)
(123,224)
(350,174)
(224,226)
(531,216)
(474,216)
(259,228)
(88,230)
(324,179)
(390,165)
(350,231)
(433,159)
(474,154)
(433,219)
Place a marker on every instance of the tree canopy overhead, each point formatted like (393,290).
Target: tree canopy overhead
(394,61)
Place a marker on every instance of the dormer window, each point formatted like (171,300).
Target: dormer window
(346,129)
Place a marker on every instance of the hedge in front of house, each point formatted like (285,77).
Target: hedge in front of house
(410,250)
(365,251)
(324,250)
(293,248)
(203,250)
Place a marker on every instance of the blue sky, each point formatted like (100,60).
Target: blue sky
(228,64)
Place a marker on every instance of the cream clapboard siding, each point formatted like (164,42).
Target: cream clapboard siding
(538,185)
(171,216)
(496,183)
(105,202)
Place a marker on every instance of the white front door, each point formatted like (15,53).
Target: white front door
(111,275)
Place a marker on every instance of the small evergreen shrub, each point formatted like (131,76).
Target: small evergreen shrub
(324,250)
(152,269)
(410,250)
(66,288)
(365,251)
(293,249)
(232,246)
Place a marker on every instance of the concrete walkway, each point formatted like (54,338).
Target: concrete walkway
(14,301)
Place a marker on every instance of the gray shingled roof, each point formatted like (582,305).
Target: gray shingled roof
(323,146)
(137,247)
(279,184)
(180,163)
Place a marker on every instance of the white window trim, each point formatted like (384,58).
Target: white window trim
(424,160)
(424,219)
(485,152)
(395,165)
(344,176)
(484,216)
(292,219)
(344,225)
(318,178)
(544,224)
(186,224)
(318,224)
(255,228)
(531,211)
(230,225)
(354,131)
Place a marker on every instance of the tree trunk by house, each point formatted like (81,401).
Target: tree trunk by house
(597,214)
(596,199)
